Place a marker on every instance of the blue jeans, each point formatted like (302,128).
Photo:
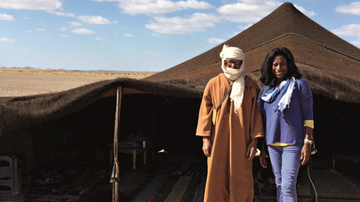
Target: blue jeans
(285,162)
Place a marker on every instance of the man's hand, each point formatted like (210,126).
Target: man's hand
(251,149)
(207,146)
(262,159)
(305,153)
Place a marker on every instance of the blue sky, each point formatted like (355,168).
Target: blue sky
(141,35)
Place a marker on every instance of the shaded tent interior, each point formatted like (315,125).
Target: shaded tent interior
(71,132)
(46,124)
(167,104)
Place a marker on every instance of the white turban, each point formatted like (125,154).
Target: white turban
(235,75)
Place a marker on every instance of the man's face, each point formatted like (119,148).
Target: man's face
(232,63)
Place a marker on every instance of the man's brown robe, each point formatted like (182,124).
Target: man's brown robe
(229,175)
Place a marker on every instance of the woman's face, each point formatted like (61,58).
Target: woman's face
(279,67)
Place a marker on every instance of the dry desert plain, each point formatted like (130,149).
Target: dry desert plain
(23,84)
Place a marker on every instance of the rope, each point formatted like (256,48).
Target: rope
(313,151)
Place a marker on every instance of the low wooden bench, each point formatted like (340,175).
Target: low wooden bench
(130,150)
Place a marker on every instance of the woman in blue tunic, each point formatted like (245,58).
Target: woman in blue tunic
(285,103)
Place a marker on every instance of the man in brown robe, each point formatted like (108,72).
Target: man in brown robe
(230,144)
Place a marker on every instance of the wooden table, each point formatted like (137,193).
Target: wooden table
(134,152)
(130,150)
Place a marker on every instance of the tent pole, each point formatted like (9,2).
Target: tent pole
(153,127)
(115,178)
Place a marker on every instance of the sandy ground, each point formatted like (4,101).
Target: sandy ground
(31,84)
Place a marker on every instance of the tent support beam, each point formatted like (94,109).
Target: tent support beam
(153,126)
(115,178)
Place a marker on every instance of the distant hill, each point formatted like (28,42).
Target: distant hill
(27,69)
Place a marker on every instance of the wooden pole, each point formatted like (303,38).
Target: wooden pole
(153,127)
(115,178)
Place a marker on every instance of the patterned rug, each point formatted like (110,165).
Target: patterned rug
(177,181)
(164,181)
(170,177)
(173,178)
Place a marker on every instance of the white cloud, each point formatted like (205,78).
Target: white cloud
(6,40)
(254,1)
(26,18)
(31,4)
(61,14)
(64,35)
(234,34)
(215,40)
(6,17)
(98,38)
(245,27)
(75,24)
(149,7)
(357,42)
(247,12)
(152,53)
(348,30)
(251,11)
(243,11)
(83,31)
(160,6)
(71,25)
(157,35)
(128,35)
(352,8)
(40,29)
(307,13)
(177,25)
(94,20)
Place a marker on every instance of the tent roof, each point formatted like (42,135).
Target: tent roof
(18,113)
(330,64)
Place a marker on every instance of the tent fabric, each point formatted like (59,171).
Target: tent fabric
(330,64)
(18,113)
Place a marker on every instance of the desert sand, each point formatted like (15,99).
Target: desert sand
(32,84)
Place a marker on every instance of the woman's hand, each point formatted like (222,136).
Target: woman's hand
(207,146)
(262,159)
(306,149)
(305,153)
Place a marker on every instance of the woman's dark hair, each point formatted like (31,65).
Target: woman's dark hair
(266,70)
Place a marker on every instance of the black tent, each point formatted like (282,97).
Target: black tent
(331,65)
